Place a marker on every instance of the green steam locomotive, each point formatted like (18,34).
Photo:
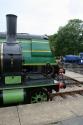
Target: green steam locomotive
(28,70)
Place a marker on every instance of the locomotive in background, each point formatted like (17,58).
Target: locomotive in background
(28,70)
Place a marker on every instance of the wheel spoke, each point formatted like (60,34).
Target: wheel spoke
(39,96)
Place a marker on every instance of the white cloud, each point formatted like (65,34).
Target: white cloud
(41,16)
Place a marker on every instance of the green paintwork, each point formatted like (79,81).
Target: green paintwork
(2,40)
(13,96)
(40,48)
(26,48)
(36,60)
(35,51)
(12,79)
(34,85)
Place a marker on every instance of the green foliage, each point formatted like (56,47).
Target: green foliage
(69,39)
(52,40)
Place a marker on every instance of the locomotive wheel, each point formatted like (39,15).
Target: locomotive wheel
(39,95)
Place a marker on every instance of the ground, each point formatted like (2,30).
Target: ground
(58,112)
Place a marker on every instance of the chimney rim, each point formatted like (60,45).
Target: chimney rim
(12,15)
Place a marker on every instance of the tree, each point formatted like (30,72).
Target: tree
(52,40)
(69,39)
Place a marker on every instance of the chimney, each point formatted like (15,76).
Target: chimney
(11,28)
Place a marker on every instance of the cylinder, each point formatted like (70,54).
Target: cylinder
(11,27)
(13,96)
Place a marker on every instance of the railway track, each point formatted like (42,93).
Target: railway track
(73,67)
(72,91)
(62,94)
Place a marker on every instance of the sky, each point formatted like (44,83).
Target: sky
(40,16)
